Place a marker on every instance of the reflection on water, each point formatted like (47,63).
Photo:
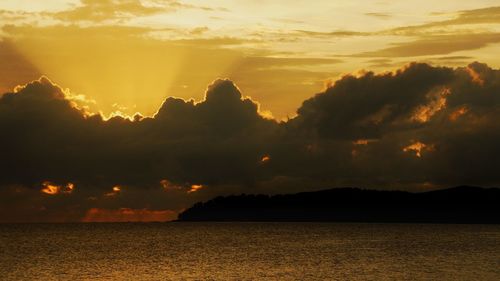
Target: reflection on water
(249,251)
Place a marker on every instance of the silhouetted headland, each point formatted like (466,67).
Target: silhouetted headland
(462,204)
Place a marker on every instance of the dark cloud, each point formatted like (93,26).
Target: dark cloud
(367,106)
(418,127)
(51,133)
(48,138)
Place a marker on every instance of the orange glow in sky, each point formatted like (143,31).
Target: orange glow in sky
(417,148)
(195,188)
(52,189)
(265,159)
(49,188)
(128,215)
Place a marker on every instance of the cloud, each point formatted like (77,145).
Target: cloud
(52,144)
(224,134)
(412,125)
(365,107)
(443,37)
(74,31)
(98,10)
(489,15)
(418,126)
(379,15)
(109,10)
(215,41)
(337,33)
(434,38)
(255,62)
(436,45)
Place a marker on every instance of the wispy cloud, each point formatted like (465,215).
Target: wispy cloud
(436,45)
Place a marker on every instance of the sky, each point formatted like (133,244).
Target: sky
(133,110)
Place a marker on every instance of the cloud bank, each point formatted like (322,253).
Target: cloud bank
(418,127)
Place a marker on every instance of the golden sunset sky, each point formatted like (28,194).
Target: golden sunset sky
(129,55)
(256,97)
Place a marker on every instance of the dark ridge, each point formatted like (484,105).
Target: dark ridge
(463,204)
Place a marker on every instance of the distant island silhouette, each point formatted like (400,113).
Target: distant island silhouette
(463,204)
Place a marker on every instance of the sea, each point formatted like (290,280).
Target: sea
(249,251)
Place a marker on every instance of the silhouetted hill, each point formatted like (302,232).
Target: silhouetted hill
(462,204)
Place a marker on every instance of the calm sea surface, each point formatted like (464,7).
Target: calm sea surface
(249,251)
